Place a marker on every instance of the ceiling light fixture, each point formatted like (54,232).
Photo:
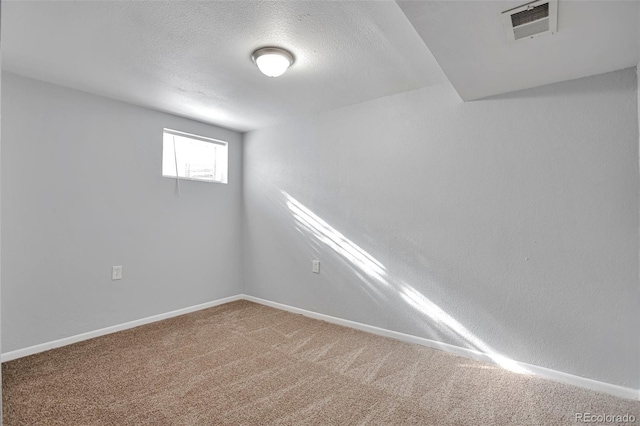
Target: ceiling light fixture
(272,61)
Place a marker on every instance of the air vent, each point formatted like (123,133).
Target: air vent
(531,20)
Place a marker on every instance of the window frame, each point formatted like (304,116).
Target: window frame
(200,138)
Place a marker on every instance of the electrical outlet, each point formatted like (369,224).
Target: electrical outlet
(116,273)
(315,267)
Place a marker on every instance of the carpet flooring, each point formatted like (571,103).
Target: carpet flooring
(246,364)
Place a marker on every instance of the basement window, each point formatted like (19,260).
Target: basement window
(192,157)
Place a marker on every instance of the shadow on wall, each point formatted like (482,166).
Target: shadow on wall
(377,281)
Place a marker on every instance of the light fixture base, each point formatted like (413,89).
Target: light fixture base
(272,61)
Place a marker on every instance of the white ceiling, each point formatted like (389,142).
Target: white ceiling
(193,58)
(468,40)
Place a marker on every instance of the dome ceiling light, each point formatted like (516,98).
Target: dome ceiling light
(272,61)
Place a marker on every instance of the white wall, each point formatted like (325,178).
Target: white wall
(0,245)
(508,225)
(82,191)
(638,92)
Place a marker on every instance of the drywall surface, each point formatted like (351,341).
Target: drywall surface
(507,225)
(0,247)
(81,191)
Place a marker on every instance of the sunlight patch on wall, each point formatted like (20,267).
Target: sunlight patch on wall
(419,302)
(365,264)
(335,240)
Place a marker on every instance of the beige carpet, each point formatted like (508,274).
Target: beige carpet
(247,364)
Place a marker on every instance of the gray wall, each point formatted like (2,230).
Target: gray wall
(507,225)
(0,247)
(82,191)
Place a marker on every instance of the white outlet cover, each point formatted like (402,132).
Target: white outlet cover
(316,266)
(116,273)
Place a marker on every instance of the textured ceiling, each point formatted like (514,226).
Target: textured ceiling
(467,39)
(193,58)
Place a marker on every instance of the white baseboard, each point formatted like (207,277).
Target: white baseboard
(546,373)
(558,376)
(8,356)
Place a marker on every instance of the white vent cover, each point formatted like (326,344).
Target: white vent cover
(531,20)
